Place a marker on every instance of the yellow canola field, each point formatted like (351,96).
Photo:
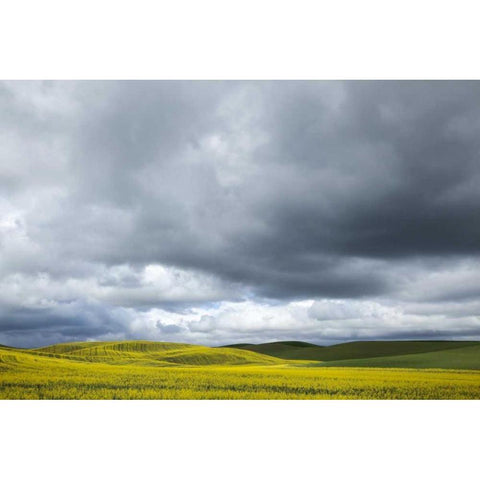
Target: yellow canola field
(29,376)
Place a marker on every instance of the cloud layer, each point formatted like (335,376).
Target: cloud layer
(239,211)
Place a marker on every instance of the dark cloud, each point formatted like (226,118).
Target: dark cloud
(278,190)
(65,322)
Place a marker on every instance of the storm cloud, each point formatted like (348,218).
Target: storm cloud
(216,212)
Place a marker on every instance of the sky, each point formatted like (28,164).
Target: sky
(219,212)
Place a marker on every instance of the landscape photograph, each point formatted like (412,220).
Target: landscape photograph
(239,240)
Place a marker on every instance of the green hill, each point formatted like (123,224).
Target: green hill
(463,358)
(289,350)
(352,350)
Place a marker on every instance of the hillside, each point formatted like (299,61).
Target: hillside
(388,354)
(153,353)
(286,350)
(361,350)
(463,358)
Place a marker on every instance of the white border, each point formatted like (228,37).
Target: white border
(259,39)
(101,39)
(239,439)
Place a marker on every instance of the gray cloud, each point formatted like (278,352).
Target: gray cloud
(173,195)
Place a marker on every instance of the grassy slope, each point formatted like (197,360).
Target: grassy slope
(286,350)
(120,346)
(463,358)
(153,353)
(354,350)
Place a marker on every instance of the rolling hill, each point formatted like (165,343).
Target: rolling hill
(153,353)
(353,352)
(389,354)
(286,350)
(463,358)
(160,370)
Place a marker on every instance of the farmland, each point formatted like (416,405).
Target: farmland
(280,370)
